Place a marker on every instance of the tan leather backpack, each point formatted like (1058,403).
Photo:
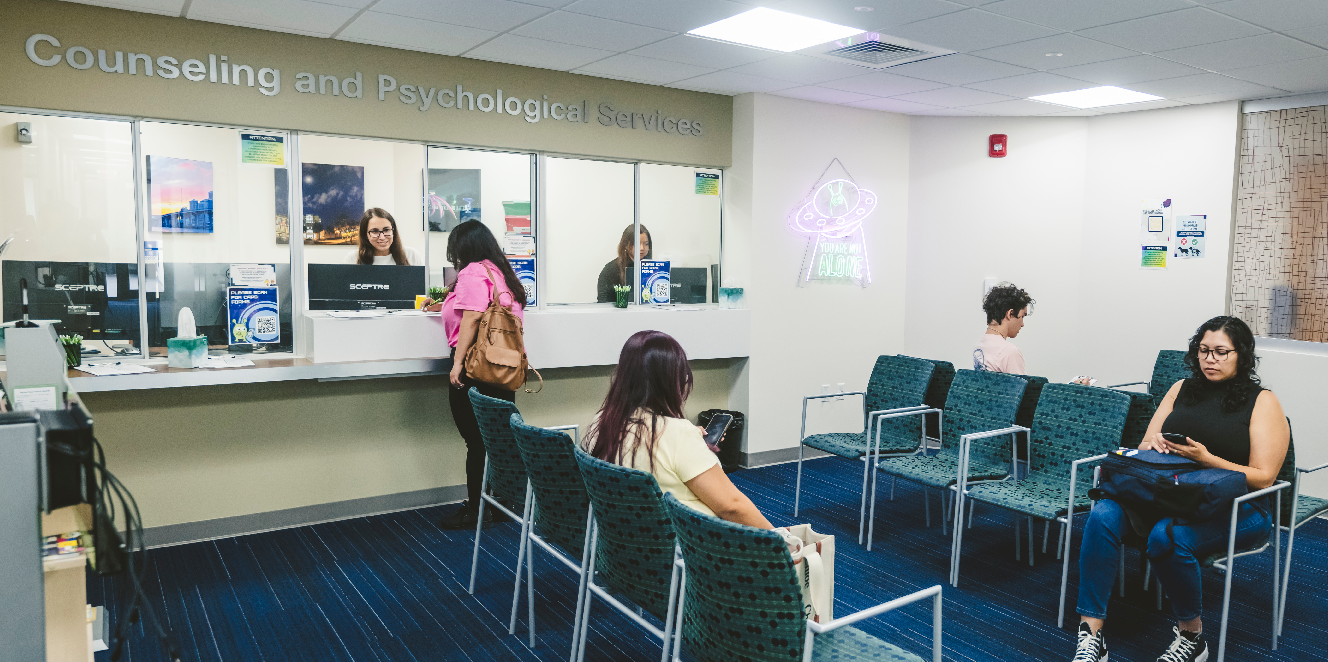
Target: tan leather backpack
(498,355)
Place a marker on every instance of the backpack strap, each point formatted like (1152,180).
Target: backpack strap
(497,294)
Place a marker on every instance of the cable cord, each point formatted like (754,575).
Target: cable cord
(110,490)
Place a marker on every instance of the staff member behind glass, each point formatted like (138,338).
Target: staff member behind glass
(618,271)
(380,243)
(481,268)
(641,426)
(1230,422)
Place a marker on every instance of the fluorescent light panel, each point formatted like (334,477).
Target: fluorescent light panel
(1096,97)
(774,30)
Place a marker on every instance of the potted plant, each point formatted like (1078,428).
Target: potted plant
(73,345)
(623,293)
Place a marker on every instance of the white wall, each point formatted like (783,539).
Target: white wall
(803,337)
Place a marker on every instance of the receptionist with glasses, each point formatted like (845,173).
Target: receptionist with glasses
(380,243)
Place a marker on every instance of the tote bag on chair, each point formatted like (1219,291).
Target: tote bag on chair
(814,558)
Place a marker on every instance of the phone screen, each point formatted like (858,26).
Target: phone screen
(715,431)
(1175,438)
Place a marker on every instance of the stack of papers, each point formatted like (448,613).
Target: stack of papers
(354,314)
(225,362)
(117,368)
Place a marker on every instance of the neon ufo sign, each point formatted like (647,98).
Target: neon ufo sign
(833,215)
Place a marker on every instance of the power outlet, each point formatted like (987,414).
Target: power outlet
(24,132)
(840,386)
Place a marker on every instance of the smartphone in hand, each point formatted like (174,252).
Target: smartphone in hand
(715,431)
(1174,438)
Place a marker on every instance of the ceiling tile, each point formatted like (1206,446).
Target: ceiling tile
(885,14)
(678,15)
(970,30)
(730,82)
(163,7)
(958,69)
(975,3)
(296,16)
(822,94)
(1016,107)
(1189,86)
(413,34)
(954,112)
(1215,98)
(512,49)
(953,97)
(882,84)
(1143,105)
(703,52)
(551,4)
(1128,70)
(1073,49)
(1300,76)
(1080,14)
(590,31)
(895,106)
(1317,35)
(1078,112)
(1031,85)
(643,69)
(800,69)
(1187,27)
(497,15)
(1247,52)
(1277,14)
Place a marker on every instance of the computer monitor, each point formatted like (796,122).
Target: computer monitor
(688,284)
(97,300)
(363,286)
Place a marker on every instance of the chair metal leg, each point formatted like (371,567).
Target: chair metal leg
(972,508)
(682,601)
(1046,535)
(1017,545)
(523,544)
(1060,538)
(1286,578)
(926,506)
(944,498)
(671,613)
(590,596)
(1277,568)
(1030,542)
(1068,534)
(893,480)
(871,511)
(530,588)
(957,542)
(862,509)
(797,489)
(581,585)
(479,526)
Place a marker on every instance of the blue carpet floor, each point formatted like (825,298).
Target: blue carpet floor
(392,587)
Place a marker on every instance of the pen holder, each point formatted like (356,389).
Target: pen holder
(73,355)
(186,352)
(624,294)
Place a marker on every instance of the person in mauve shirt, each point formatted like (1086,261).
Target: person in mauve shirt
(1006,306)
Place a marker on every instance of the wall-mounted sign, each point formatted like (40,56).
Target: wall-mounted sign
(832,215)
(1190,232)
(254,314)
(262,149)
(707,183)
(1155,233)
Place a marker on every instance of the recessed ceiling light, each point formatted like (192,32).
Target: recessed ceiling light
(1054,54)
(1095,97)
(864,9)
(775,30)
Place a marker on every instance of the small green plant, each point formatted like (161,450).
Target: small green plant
(73,345)
(439,293)
(623,294)
(74,340)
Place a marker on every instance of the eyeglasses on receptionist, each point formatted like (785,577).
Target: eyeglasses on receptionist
(386,232)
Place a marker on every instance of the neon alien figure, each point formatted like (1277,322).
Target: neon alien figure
(833,217)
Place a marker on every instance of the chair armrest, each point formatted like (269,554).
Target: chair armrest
(1127,384)
(1312,469)
(1279,485)
(821,396)
(965,444)
(821,628)
(903,411)
(994,433)
(575,428)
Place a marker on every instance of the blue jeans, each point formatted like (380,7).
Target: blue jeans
(1099,555)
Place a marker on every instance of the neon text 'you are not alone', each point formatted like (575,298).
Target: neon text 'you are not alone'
(833,215)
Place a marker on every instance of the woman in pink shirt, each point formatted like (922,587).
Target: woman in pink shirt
(481,268)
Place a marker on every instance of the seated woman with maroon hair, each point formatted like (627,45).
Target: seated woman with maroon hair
(641,426)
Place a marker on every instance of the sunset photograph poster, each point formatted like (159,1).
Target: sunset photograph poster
(180,195)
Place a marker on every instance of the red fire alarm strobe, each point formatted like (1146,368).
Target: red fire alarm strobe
(996,145)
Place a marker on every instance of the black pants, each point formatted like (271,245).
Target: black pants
(469,428)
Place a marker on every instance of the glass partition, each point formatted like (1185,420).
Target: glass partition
(216,235)
(493,187)
(67,201)
(590,208)
(680,212)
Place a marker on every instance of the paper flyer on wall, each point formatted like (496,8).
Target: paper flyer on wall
(655,281)
(253,275)
(253,314)
(1190,232)
(518,245)
(262,149)
(525,272)
(1155,223)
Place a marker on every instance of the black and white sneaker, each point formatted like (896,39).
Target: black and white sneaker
(1188,647)
(1092,647)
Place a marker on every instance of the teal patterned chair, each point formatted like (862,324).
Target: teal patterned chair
(1168,368)
(978,403)
(892,412)
(942,374)
(504,483)
(632,549)
(742,601)
(1072,422)
(1297,511)
(1028,407)
(556,506)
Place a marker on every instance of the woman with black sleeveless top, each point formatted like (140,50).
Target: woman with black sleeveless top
(1230,422)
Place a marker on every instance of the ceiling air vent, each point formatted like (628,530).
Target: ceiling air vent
(875,50)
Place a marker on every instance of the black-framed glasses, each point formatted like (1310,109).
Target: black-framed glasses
(385,232)
(1219,353)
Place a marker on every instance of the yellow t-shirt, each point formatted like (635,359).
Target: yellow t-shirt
(680,455)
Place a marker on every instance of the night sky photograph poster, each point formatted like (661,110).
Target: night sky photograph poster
(333,203)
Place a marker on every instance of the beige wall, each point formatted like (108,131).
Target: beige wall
(201,453)
(92,90)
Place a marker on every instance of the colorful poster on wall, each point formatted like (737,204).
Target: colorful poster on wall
(333,203)
(525,272)
(261,149)
(707,183)
(281,185)
(180,195)
(1155,222)
(453,197)
(517,215)
(655,281)
(833,215)
(253,314)
(1190,232)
